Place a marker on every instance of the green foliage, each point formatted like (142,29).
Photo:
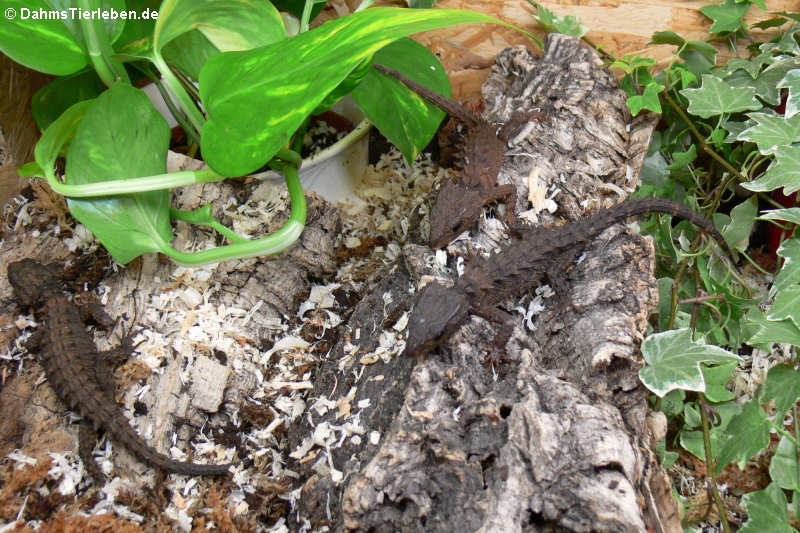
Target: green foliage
(232,85)
(674,361)
(122,136)
(261,74)
(766,511)
(383,98)
(552,23)
(725,128)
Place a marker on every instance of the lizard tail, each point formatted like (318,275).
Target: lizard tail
(638,206)
(125,435)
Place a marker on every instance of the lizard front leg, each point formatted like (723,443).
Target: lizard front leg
(504,329)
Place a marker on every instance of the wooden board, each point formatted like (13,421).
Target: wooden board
(620,26)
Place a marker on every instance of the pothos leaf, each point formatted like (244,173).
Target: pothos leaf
(257,99)
(121,136)
(715,97)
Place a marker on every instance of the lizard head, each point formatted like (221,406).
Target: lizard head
(438,311)
(31,281)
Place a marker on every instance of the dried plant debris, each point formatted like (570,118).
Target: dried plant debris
(224,361)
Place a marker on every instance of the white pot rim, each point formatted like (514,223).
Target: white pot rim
(331,151)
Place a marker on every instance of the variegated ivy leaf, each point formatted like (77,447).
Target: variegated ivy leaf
(674,359)
(766,82)
(715,97)
(727,16)
(773,132)
(791,81)
(751,66)
(790,214)
(786,306)
(789,274)
(783,172)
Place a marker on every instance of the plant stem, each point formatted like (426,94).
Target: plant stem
(711,465)
(795,495)
(169,180)
(306,16)
(98,48)
(700,139)
(271,244)
(176,89)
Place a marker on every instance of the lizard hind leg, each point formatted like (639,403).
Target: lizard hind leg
(87,438)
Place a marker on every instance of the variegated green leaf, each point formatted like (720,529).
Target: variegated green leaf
(228,24)
(121,136)
(257,99)
(45,45)
(402,116)
(45,36)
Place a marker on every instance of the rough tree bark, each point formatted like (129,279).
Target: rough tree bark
(560,438)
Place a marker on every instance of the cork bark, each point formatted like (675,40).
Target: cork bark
(557,439)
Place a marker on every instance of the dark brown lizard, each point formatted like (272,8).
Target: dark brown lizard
(488,281)
(73,365)
(459,203)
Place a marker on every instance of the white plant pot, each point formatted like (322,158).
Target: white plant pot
(335,172)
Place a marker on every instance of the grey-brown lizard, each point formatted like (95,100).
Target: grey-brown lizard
(73,365)
(459,203)
(487,281)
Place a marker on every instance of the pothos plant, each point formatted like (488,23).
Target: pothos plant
(242,78)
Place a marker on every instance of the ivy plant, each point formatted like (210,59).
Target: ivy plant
(729,143)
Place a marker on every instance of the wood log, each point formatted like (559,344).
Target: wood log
(560,438)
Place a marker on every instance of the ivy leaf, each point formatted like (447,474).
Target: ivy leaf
(647,100)
(670,37)
(716,378)
(683,159)
(766,82)
(790,214)
(766,511)
(788,42)
(751,66)
(770,23)
(727,16)
(674,361)
(791,81)
(783,388)
(692,441)
(783,172)
(787,305)
(790,271)
(552,23)
(747,434)
(769,331)
(630,62)
(772,132)
(743,217)
(715,97)
(783,468)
